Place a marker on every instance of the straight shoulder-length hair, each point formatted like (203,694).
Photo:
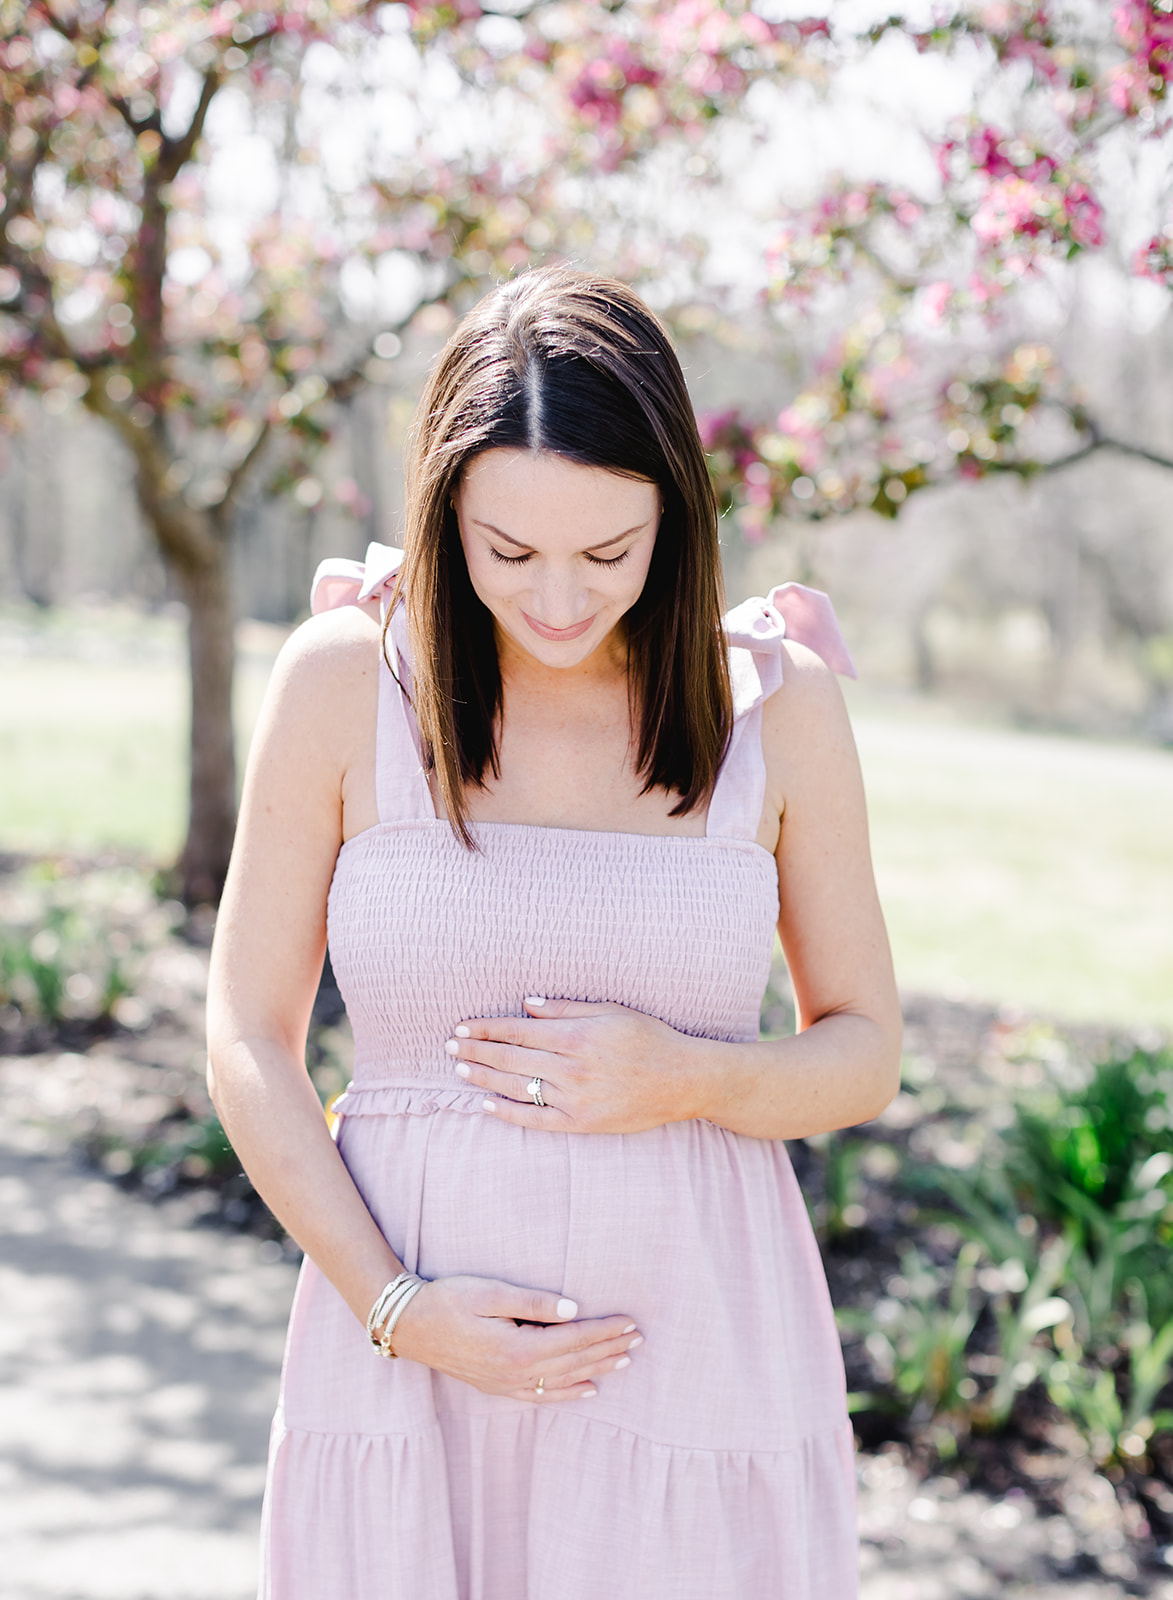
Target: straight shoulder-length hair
(567,362)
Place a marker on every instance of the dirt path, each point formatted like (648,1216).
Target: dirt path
(139,1356)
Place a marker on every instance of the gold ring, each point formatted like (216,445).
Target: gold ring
(541,1388)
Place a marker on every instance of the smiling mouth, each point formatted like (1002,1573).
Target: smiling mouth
(575,632)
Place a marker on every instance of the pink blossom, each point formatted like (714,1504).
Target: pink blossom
(936,299)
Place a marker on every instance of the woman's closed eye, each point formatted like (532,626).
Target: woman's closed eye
(520,561)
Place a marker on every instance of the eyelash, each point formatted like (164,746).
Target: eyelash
(520,561)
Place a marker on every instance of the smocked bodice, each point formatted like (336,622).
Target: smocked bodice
(424,932)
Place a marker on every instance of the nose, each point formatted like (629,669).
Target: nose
(560,598)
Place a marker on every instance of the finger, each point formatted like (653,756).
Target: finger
(547,1397)
(525,1032)
(548,1119)
(539,1006)
(513,1085)
(530,1305)
(605,1357)
(522,1063)
(561,1346)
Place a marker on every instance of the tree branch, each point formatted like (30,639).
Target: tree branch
(182,531)
(1138,451)
(177,152)
(1096,440)
(241,470)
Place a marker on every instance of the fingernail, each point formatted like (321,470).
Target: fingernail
(566,1308)
(487,1105)
(451,1046)
(635,1342)
(535,999)
(630,1328)
(462,1069)
(624,1361)
(588,1394)
(461,1031)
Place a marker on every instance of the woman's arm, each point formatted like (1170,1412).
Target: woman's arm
(311,767)
(843,1064)
(270,941)
(608,1069)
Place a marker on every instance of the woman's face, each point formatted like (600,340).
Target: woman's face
(557,551)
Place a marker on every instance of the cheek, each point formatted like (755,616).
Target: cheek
(636,575)
(491,582)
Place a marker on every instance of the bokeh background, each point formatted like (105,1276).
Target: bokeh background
(919,269)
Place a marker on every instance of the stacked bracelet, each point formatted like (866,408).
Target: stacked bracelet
(388,1309)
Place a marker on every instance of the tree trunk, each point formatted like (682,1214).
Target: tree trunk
(207,591)
(926,661)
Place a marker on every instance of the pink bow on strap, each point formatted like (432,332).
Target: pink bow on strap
(793,612)
(339,582)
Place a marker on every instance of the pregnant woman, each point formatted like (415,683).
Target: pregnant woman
(562,1332)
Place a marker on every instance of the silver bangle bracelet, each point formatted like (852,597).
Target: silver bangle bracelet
(409,1293)
(381,1306)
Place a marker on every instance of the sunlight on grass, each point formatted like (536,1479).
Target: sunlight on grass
(1024,868)
(1016,868)
(93,730)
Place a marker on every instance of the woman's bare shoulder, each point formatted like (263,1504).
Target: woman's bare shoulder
(806,733)
(326,675)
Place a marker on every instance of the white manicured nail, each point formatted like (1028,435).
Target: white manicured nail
(624,1361)
(461,1031)
(589,1394)
(451,1046)
(535,999)
(567,1308)
(487,1105)
(636,1342)
(462,1069)
(630,1328)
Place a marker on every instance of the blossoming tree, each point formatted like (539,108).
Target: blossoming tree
(510,137)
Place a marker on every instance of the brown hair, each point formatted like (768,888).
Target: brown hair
(577,365)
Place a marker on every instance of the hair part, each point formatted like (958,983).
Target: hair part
(563,361)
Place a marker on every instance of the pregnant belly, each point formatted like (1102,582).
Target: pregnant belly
(699,1235)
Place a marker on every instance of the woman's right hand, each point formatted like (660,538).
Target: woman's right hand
(468,1329)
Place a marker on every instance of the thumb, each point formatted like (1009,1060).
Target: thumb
(531,1305)
(538,1006)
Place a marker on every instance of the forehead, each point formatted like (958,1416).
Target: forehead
(531,489)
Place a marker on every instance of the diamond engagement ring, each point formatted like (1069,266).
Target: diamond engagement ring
(534,1088)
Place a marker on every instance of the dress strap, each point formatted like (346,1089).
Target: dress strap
(401,783)
(756,630)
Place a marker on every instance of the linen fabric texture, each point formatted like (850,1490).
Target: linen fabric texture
(719,1465)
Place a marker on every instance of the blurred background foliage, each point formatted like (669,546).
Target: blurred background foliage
(904,252)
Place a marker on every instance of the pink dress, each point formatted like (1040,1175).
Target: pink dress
(719,1465)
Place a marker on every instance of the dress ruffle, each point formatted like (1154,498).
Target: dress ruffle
(626,1510)
(405,1100)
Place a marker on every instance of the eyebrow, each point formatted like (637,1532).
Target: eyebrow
(603,544)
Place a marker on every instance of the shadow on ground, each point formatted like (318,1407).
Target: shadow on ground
(139,1357)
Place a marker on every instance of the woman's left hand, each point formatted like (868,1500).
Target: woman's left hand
(603,1068)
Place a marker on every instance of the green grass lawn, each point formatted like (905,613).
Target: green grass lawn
(1014,867)
(1025,868)
(93,729)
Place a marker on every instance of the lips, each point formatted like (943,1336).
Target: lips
(559,635)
